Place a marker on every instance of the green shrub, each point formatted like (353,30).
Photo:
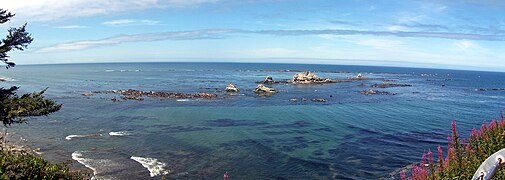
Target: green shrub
(22,165)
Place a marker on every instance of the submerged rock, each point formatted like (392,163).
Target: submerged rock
(373,91)
(319,100)
(87,93)
(231,88)
(490,89)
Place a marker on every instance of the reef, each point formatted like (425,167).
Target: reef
(386,85)
(490,89)
(373,91)
(132,94)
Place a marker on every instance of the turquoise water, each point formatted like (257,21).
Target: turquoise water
(352,136)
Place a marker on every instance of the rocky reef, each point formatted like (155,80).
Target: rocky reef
(373,91)
(490,89)
(132,94)
(306,99)
(231,88)
(386,85)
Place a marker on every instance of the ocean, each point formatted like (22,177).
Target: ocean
(350,136)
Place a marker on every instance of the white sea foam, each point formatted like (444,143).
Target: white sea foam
(77,155)
(154,166)
(182,100)
(7,79)
(94,164)
(119,133)
(70,137)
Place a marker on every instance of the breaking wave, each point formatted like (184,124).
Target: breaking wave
(154,166)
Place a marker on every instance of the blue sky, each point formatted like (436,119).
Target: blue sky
(465,34)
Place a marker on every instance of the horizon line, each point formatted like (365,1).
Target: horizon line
(457,68)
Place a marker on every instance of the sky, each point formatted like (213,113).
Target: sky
(454,34)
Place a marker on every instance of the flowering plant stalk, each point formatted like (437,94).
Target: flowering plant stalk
(464,156)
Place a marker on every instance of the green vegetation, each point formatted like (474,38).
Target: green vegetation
(464,156)
(16,163)
(25,165)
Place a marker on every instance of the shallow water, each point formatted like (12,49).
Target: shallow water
(352,136)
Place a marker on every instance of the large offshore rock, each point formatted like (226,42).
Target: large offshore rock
(308,78)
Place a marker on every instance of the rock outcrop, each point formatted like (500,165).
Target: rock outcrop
(309,78)
(263,89)
(269,80)
(231,88)
(360,76)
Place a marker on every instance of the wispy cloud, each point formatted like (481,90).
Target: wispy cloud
(271,52)
(222,33)
(53,10)
(71,27)
(131,22)
(419,34)
(176,35)
(347,23)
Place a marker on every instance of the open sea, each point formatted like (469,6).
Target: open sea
(351,136)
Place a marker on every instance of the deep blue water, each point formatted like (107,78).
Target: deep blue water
(352,136)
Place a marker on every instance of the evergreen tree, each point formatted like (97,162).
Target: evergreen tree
(14,108)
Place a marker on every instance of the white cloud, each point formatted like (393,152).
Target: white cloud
(51,10)
(71,27)
(175,35)
(271,52)
(386,44)
(396,28)
(466,45)
(131,22)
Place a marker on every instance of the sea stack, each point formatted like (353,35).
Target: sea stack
(360,76)
(308,78)
(231,88)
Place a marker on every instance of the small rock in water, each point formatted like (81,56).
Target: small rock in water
(319,100)
(261,89)
(231,88)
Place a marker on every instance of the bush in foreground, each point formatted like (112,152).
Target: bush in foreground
(463,156)
(25,165)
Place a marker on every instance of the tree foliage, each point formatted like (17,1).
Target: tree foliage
(14,108)
(17,38)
